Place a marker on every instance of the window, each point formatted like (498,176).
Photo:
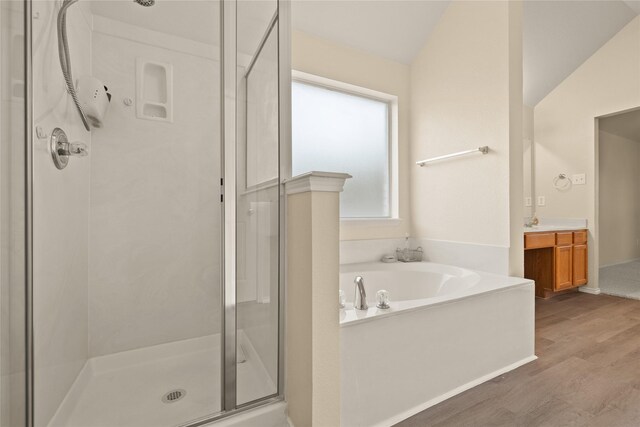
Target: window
(343,128)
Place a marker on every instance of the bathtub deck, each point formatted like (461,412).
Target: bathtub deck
(587,373)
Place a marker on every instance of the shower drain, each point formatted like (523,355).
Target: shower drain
(174,396)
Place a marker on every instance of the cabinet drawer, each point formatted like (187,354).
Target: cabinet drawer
(579,237)
(564,239)
(539,240)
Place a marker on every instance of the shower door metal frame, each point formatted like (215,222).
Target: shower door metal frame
(228,155)
(229,86)
(29,124)
(284,116)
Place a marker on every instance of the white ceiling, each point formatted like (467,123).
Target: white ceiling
(626,125)
(558,35)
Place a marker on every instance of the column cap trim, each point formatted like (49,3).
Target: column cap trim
(332,182)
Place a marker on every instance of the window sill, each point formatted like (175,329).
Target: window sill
(370,222)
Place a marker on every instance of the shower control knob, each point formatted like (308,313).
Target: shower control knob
(79,149)
(61,149)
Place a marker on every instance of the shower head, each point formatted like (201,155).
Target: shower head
(145,3)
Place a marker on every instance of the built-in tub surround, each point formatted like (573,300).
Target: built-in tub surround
(448,329)
(489,258)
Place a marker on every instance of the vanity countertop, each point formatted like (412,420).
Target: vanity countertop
(556,224)
(547,228)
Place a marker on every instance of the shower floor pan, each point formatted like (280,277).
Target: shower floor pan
(164,385)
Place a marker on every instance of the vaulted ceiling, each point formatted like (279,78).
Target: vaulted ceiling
(558,35)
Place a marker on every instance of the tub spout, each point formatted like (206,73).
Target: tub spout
(360,300)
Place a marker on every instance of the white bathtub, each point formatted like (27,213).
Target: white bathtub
(447,330)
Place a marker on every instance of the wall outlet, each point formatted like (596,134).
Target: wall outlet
(541,201)
(579,179)
(527,202)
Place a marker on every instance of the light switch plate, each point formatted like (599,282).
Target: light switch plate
(541,201)
(527,202)
(579,179)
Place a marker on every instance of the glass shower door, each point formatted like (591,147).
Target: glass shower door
(144,214)
(128,268)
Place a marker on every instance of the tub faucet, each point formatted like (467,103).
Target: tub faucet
(360,300)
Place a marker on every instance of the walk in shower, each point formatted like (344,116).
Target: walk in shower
(143,151)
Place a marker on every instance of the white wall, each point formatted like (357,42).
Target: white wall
(154,272)
(317,56)
(61,214)
(565,129)
(465,94)
(619,199)
(527,156)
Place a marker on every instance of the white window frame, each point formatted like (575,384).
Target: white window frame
(392,102)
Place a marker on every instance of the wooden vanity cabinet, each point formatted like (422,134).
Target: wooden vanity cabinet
(563,268)
(580,265)
(557,261)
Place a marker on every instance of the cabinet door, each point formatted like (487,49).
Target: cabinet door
(580,265)
(564,268)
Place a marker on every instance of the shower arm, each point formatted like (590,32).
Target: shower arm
(65,60)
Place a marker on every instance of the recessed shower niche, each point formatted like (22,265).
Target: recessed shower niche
(154,90)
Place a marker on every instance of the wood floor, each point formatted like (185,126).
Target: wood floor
(587,372)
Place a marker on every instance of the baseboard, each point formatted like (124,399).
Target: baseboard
(592,291)
(416,409)
(620,295)
(620,263)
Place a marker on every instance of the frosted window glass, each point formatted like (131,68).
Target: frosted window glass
(335,131)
